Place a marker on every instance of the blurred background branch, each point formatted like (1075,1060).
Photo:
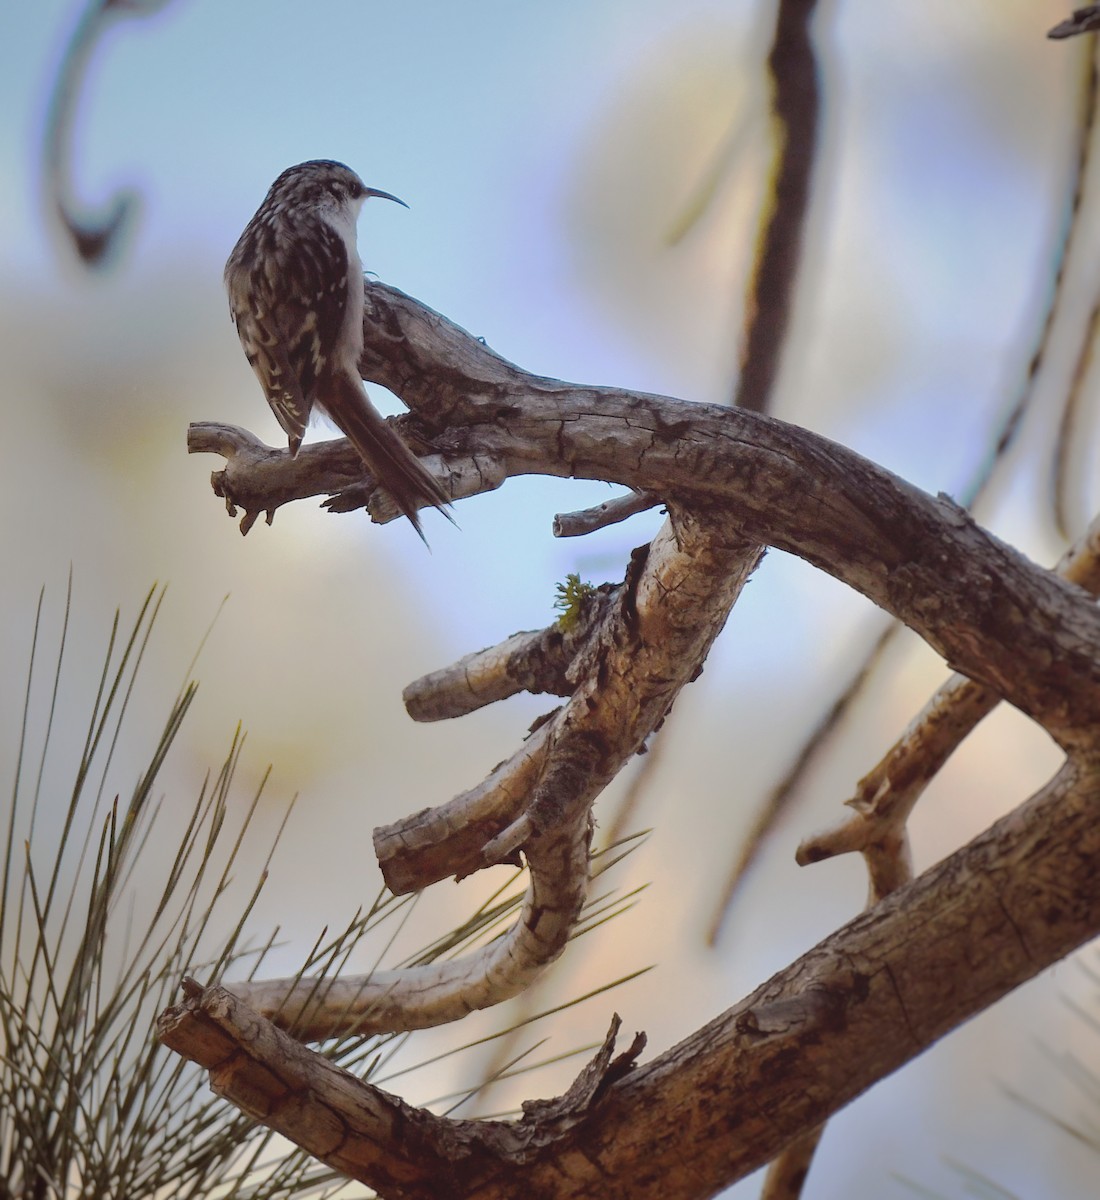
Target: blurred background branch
(96,232)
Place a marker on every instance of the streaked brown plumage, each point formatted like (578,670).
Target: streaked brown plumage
(295,287)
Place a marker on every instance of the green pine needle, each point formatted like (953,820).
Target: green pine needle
(570,599)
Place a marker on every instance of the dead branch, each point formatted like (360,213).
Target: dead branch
(886,795)
(727,1099)
(989,612)
(653,635)
(867,999)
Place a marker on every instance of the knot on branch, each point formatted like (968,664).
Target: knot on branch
(545,1120)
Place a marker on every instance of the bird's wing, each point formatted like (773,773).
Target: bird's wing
(290,324)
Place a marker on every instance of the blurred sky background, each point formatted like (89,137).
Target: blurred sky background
(546,151)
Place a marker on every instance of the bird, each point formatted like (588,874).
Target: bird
(295,285)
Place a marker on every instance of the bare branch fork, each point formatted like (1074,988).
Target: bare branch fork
(1017,898)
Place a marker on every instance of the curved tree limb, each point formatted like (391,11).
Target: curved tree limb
(994,914)
(980,604)
(887,794)
(732,1095)
(652,640)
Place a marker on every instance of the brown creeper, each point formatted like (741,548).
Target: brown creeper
(295,287)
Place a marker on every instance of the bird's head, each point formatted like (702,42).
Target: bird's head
(325,185)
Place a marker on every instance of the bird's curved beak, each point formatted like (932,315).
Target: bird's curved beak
(368,192)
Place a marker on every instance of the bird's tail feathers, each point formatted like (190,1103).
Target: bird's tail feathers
(391,462)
